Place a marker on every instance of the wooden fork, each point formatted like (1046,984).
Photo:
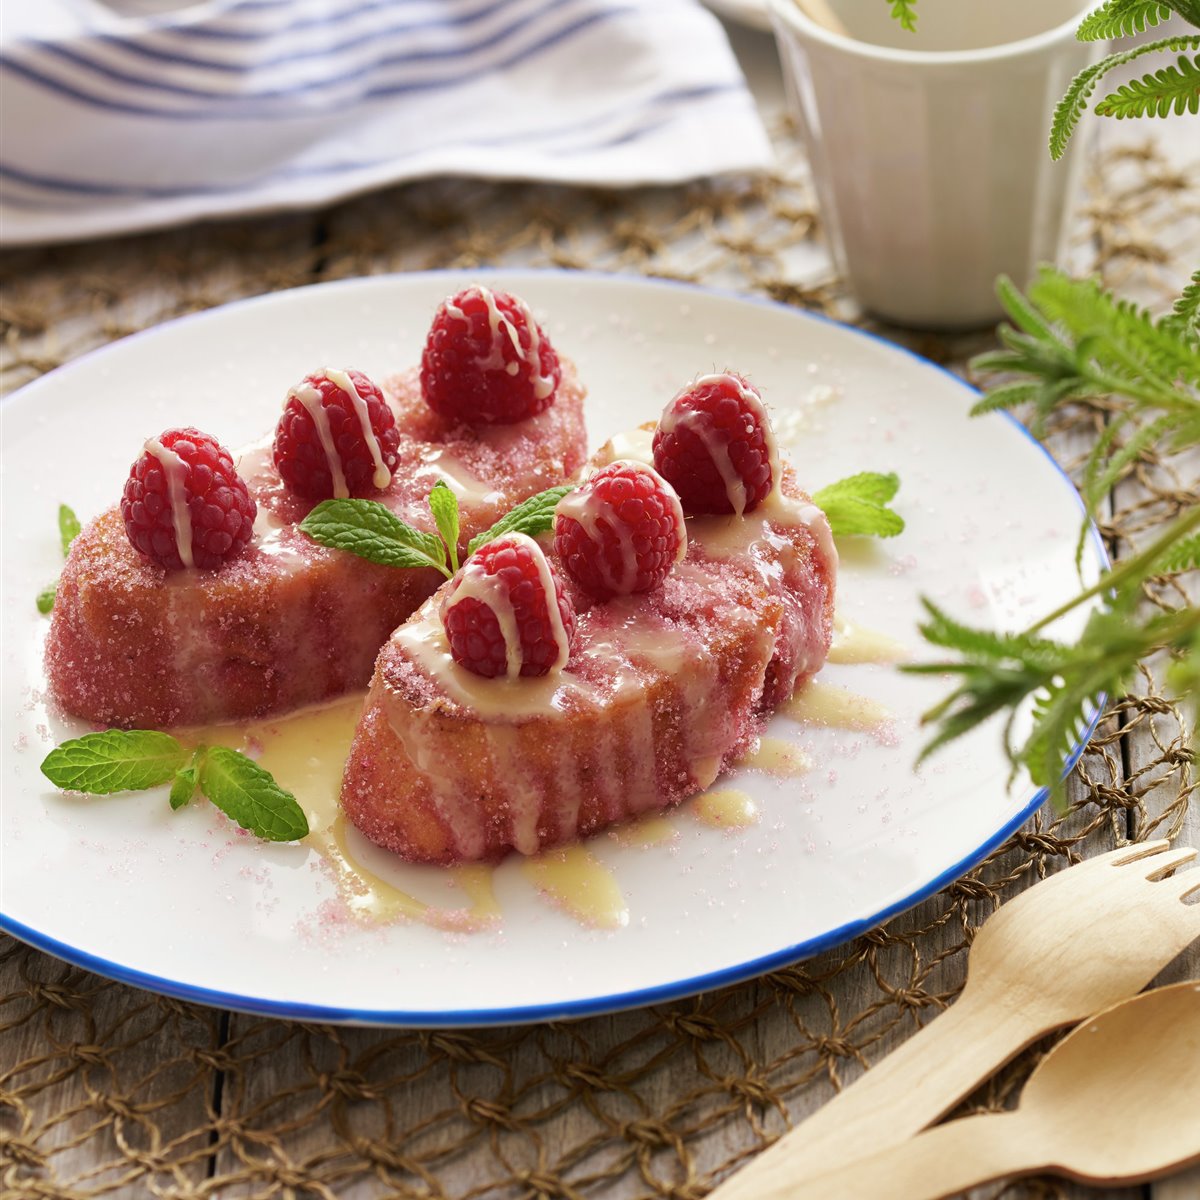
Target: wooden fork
(1076,943)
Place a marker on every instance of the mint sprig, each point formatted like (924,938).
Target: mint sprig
(68,531)
(857,505)
(242,790)
(532,516)
(132,760)
(185,783)
(372,531)
(68,527)
(117,760)
(443,503)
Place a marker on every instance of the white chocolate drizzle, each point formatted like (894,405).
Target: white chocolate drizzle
(494,360)
(589,508)
(310,398)
(382,476)
(175,470)
(474,583)
(675,417)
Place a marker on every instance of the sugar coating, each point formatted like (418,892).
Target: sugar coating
(287,622)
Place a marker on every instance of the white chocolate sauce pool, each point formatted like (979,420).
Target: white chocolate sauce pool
(306,753)
(825,704)
(727,808)
(854,643)
(777,757)
(574,880)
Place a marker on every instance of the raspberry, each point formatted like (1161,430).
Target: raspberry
(502,593)
(487,361)
(337,437)
(714,445)
(184,503)
(621,531)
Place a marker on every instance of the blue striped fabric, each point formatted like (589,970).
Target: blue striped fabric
(111,124)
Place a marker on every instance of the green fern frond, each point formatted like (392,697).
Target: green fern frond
(905,12)
(1186,433)
(1098,482)
(1120,336)
(942,630)
(1183,675)
(1189,10)
(1185,316)
(1159,94)
(1121,18)
(1007,396)
(1020,311)
(1104,467)
(1074,103)
(1061,718)
(1183,556)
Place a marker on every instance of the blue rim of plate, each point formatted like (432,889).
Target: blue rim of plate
(615,1001)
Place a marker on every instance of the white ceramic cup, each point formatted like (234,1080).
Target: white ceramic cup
(929,149)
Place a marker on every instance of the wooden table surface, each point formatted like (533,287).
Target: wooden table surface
(60,302)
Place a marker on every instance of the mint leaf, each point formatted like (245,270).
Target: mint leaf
(68,527)
(183,787)
(117,760)
(532,516)
(243,791)
(443,503)
(374,532)
(857,505)
(68,531)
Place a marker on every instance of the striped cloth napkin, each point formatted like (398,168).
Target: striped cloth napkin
(123,115)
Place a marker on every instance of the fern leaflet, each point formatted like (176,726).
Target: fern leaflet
(1173,89)
(1185,317)
(905,12)
(1121,18)
(1074,103)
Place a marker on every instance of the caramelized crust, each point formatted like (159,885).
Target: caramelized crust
(662,692)
(288,622)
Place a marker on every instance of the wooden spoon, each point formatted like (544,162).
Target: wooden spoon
(1116,1102)
(1068,947)
(822,13)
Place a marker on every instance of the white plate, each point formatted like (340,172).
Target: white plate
(179,904)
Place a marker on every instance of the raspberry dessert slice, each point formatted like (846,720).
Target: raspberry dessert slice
(337,437)
(505,612)
(487,360)
(284,621)
(662,690)
(715,446)
(184,504)
(620,531)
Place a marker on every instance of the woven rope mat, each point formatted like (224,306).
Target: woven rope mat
(109,1091)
